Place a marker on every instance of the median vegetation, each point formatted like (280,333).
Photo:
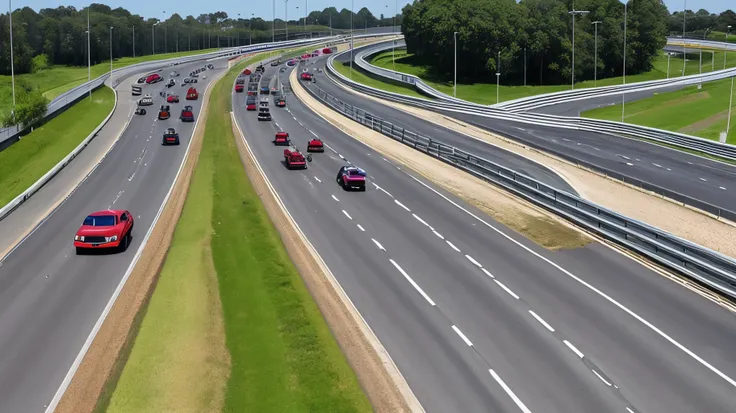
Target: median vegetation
(27,160)
(231,326)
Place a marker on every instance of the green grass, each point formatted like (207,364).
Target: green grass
(696,112)
(282,355)
(485,93)
(24,162)
(361,77)
(58,79)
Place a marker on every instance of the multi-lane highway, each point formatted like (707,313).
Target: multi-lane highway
(478,318)
(700,178)
(50,298)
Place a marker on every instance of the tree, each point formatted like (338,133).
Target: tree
(31,106)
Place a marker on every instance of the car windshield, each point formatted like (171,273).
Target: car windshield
(100,221)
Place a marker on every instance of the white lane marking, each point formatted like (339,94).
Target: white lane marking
(382,190)
(669,169)
(361,228)
(629,163)
(117,197)
(385,159)
(657,165)
(488,273)
(471,259)
(460,333)
(378,244)
(315,135)
(131,177)
(346,214)
(335,198)
(318,180)
(573,348)
(720,187)
(602,379)
(624,156)
(541,321)
(511,293)
(401,205)
(419,219)
(629,410)
(277,125)
(438,234)
(341,157)
(411,281)
(508,391)
(703,179)
(452,246)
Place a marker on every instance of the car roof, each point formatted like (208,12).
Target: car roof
(106,212)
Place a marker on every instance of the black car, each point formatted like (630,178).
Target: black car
(170,137)
(210,66)
(187,114)
(164,112)
(141,79)
(275,63)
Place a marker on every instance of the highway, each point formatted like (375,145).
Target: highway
(49,297)
(478,318)
(700,178)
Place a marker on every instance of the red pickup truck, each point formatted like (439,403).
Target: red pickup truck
(294,159)
(239,88)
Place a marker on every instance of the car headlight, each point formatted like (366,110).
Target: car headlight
(78,238)
(111,239)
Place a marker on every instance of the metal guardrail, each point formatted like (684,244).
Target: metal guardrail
(680,140)
(706,266)
(68,98)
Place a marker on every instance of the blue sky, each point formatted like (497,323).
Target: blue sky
(263,8)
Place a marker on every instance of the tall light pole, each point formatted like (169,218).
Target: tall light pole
(498,77)
(454,85)
(111,55)
(684,44)
(669,55)
(574,12)
(623,94)
(525,66)
(306,14)
(595,60)
(134,42)
(352,35)
(153,36)
(725,52)
(12,67)
(250,30)
(730,107)
(166,34)
(286,18)
(89,59)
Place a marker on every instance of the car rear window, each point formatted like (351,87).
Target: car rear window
(100,221)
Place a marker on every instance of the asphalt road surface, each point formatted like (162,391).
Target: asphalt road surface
(680,172)
(478,318)
(49,297)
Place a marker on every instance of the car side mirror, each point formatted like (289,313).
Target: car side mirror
(124,218)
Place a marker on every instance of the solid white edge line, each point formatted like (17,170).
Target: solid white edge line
(541,321)
(335,198)
(573,348)
(88,343)
(378,347)
(636,316)
(378,244)
(361,228)
(508,391)
(460,333)
(488,273)
(438,234)
(401,205)
(601,377)
(419,219)
(411,281)
(505,288)
(471,259)
(346,214)
(452,246)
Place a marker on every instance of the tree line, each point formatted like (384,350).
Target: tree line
(535,36)
(59,36)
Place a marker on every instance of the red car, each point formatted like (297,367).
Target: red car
(172,99)
(239,88)
(281,102)
(247,71)
(350,177)
(154,78)
(306,56)
(192,94)
(282,138)
(250,106)
(326,50)
(104,229)
(315,145)
(294,159)
(306,76)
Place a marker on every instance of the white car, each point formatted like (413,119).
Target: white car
(146,101)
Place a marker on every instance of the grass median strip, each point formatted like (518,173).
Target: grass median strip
(24,162)
(281,356)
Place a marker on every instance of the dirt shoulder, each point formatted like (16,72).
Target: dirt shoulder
(383,384)
(106,356)
(671,216)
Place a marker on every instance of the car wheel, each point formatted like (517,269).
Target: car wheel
(80,251)
(124,242)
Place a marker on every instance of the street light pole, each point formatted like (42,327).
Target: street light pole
(684,47)
(730,107)
(454,86)
(595,60)
(166,34)
(498,77)
(574,13)
(623,94)
(286,17)
(725,52)
(134,42)
(110,55)
(89,59)
(352,36)
(669,55)
(12,66)
(525,66)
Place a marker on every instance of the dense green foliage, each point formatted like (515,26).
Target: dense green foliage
(30,106)
(702,22)
(542,28)
(58,36)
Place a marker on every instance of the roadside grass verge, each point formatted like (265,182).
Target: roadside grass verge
(274,351)
(58,79)
(358,75)
(485,93)
(696,112)
(27,160)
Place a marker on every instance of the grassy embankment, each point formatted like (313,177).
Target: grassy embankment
(702,113)
(58,79)
(24,162)
(485,93)
(231,326)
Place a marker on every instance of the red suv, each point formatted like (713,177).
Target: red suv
(104,229)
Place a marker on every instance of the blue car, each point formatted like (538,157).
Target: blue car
(264,90)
